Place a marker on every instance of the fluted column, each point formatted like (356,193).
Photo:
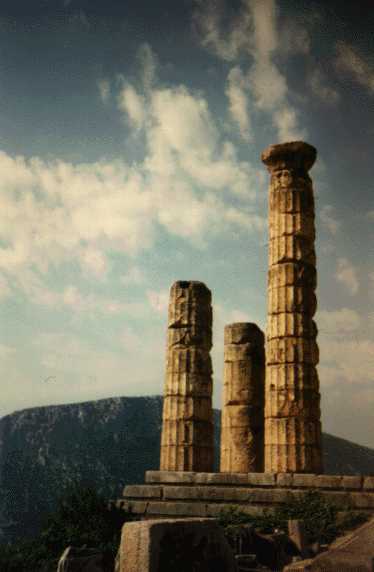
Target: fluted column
(292,400)
(242,426)
(187,422)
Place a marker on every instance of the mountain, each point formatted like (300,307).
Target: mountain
(107,443)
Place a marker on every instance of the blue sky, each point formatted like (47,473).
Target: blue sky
(130,150)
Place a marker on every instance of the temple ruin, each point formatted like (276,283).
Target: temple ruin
(291,441)
(242,424)
(187,424)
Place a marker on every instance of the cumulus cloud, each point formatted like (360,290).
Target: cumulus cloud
(346,274)
(54,212)
(236,91)
(350,62)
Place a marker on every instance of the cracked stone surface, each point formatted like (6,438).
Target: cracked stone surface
(292,399)
(242,427)
(187,421)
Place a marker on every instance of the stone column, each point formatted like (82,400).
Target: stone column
(242,426)
(187,423)
(292,400)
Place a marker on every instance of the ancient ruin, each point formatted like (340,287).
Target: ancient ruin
(242,425)
(187,426)
(292,400)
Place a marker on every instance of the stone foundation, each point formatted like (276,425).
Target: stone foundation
(187,494)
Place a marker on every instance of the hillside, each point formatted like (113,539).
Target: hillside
(107,443)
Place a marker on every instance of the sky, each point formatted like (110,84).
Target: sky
(130,143)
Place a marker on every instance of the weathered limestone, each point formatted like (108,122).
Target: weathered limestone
(242,432)
(170,545)
(292,400)
(187,423)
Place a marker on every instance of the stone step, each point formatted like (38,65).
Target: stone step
(280,480)
(238,495)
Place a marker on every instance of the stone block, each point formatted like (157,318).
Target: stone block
(292,274)
(142,491)
(293,200)
(214,510)
(293,402)
(169,477)
(328,481)
(292,350)
(352,482)
(291,299)
(294,324)
(284,376)
(362,500)
(285,480)
(291,248)
(300,224)
(304,481)
(170,545)
(176,509)
(368,484)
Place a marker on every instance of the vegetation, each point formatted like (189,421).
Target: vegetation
(82,518)
(322,520)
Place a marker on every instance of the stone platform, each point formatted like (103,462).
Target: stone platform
(169,494)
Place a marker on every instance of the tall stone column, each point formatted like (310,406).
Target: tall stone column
(187,423)
(292,400)
(242,426)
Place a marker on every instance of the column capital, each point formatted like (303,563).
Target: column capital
(293,155)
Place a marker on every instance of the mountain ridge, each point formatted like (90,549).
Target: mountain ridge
(106,443)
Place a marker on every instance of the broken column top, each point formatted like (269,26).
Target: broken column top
(295,155)
(198,288)
(242,332)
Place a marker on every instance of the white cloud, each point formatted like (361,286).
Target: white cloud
(210,21)
(350,62)
(338,322)
(6,351)
(320,87)
(132,103)
(104,90)
(294,37)
(268,85)
(328,220)
(94,261)
(346,274)
(286,121)
(133,276)
(348,361)
(236,92)
(254,33)
(54,213)
(149,64)
(158,300)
